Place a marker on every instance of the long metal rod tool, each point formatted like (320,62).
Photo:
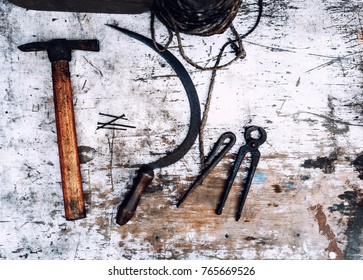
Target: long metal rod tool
(212,160)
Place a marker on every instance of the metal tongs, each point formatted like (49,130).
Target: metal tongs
(251,146)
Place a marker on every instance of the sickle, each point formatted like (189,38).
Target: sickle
(146,173)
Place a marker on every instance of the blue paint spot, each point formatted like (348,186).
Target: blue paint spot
(259,178)
(289,185)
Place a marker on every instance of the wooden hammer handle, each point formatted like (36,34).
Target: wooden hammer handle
(74,204)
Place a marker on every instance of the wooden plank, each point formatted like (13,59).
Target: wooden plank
(301,81)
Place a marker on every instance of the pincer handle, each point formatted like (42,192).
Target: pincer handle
(127,208)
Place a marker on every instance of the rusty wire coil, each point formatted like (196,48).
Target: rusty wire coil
(197,17)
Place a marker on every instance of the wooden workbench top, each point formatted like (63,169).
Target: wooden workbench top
(301,81)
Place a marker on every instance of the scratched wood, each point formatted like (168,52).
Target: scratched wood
(301,81)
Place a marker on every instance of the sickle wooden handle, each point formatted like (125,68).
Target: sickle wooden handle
(74,204)
(128,206)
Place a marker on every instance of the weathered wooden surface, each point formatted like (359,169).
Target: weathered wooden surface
(301,81)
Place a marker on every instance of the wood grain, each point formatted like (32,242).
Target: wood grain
(74,204)
(301,81)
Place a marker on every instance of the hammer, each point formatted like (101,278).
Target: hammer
(59,53)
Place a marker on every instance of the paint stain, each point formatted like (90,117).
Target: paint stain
(352,207)
(326,164)
(277,188)
(260,178)
(250,238)
(304,177)
(281,188)
(256,240)
(272,205)
(326,230)
(348,206)
(358,164)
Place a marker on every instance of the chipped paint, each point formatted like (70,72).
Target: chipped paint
(326,164)
(324,228)
(352,207)
(301,81)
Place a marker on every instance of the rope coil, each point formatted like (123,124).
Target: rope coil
(201,18)
(197,17)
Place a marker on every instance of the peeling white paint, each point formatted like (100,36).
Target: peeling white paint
(301,81)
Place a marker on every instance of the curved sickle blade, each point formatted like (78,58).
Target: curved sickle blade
(128,207)
(191,92)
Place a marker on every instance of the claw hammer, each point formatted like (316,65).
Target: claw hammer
(59,54)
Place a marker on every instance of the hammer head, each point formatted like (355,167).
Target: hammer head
(60,49)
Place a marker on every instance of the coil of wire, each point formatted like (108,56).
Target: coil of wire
(197,17)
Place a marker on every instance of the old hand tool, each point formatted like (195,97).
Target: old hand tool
(146,174)
(251,147)
(211,161)
(59,53)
